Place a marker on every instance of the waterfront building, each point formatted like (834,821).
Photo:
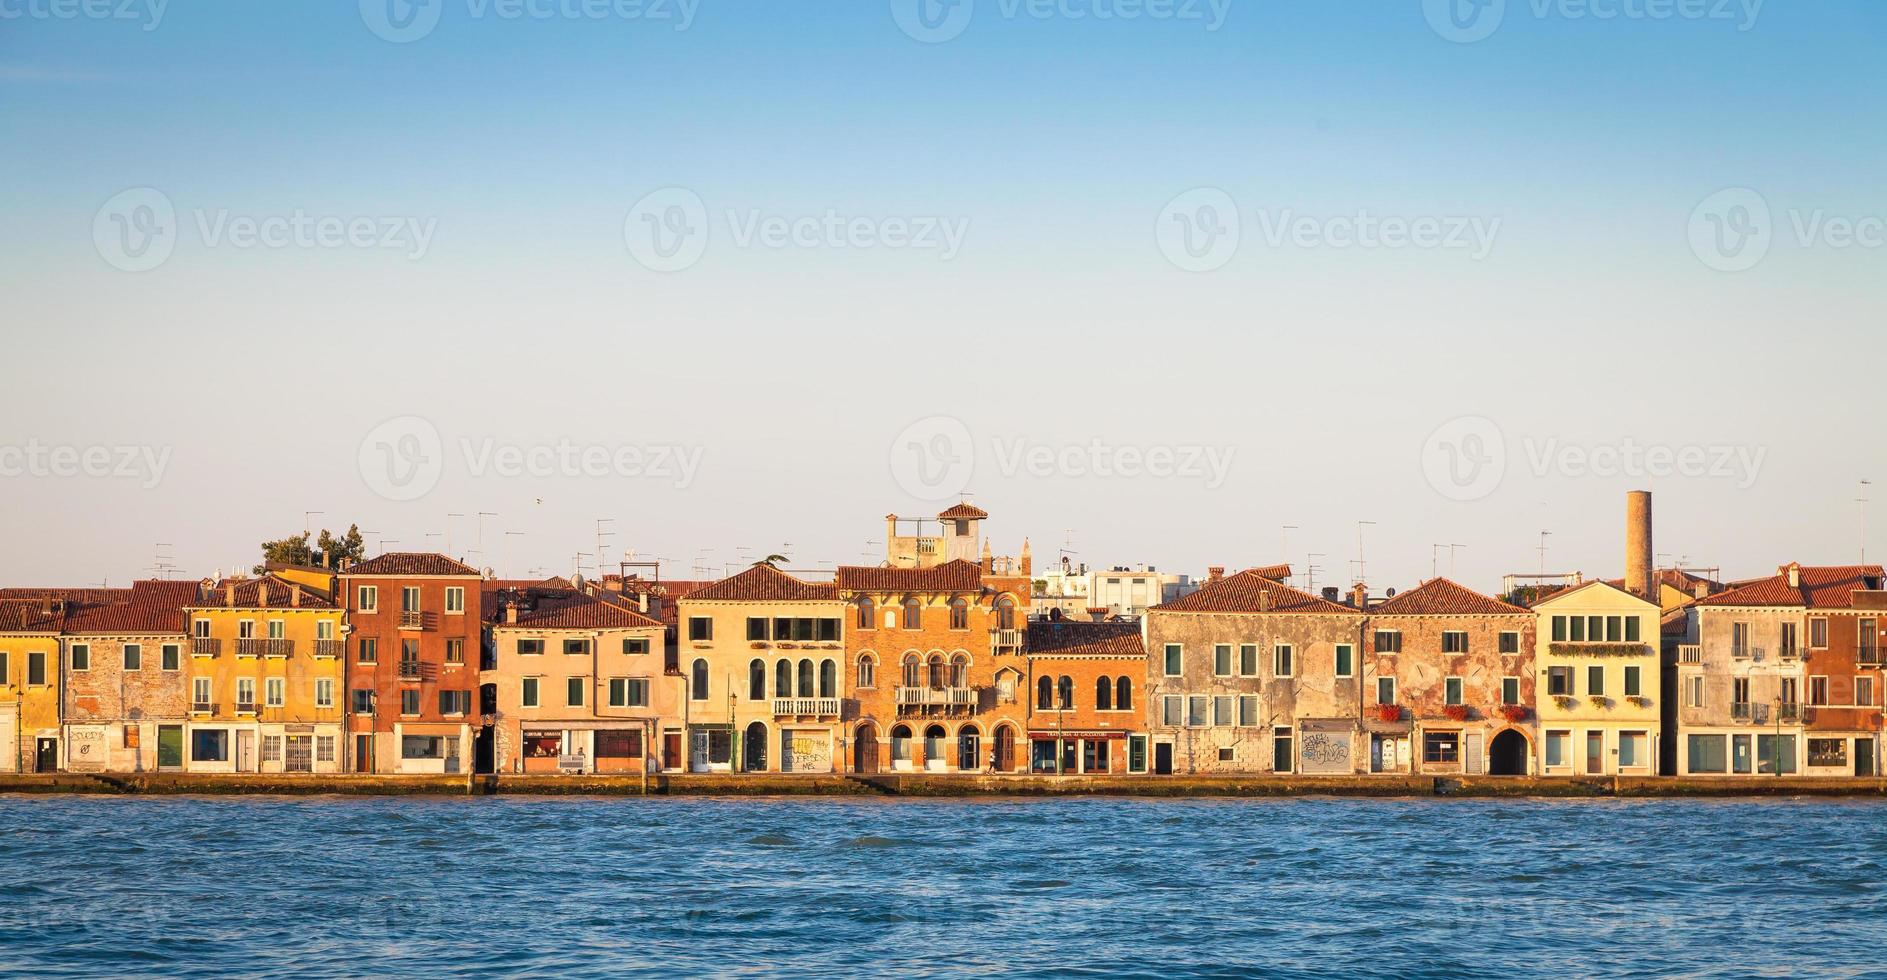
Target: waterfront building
(123,689)
(1124,592)
(935,642)
(1597,652)
(570,682)
(1457,667)
(415,619)
(29,683)
(763,654)
(1249,675)
(1785,677)
(1084,689)
(265,670)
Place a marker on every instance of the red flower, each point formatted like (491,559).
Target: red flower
(1456,712)
(1389,712)
(1515,713)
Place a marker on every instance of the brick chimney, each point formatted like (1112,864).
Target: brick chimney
(1097,613)
(511,613)
(229,594)
(1264,600)
(1359,596)
(1215,573)
(294,596)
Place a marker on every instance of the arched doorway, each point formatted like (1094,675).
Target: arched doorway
(901,747)
(1005,760)
(1507,754)
(754,746)
(865,749)
(934,758)
(969,749)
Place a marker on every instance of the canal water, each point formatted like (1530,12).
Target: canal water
(828,887)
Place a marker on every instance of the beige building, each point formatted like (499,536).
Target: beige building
(1598,663)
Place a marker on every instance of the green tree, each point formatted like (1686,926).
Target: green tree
(328,551)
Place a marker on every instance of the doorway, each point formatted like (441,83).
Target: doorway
(671,750)
(1507,755)
(1005,760)
(1864,757)
(46,757)
(934,759)
(754,747)
(363,753)
(865,750)
(169,747)
(969,750)
(1162,758)
(298,753)
(485,750)
(245,751)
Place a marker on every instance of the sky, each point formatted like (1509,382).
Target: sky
(1175,282)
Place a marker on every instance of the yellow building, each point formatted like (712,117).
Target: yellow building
(1598,689)
(265,677)
(29,684)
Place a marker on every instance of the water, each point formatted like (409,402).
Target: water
(1100,887)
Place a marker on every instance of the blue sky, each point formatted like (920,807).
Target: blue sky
(525,145)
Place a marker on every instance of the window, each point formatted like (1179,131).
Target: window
(1706,754)
(1828,752)
(1631,629)
(6,676)
(1222,707)
(324,748)
(529,699)
(1818,633)
(422,747)
(1694,691)
(1124,694)
(246,629)
(200,629)
(1863,691)
(698,688)
(1248,660)
(324,629)
(1634,684)
(368,651)
(1633,749)
(1388,641)
(1441,747)
(455,598)
(133,656)
(81,657)
(1385,690)
(409,598)
(1739,693)
(867,671)
(273,692)
(1103,694)
(700,628)
(1454,641)
(1557,745)
(1595,680)
(912,611)
(1228,754)
(757,628)
(1559,629)
(866,610)
(369,599)
(1510,690)
(363,702)
(1346,660)
(209,745)
(409,702)
(1281,660)
(629,692)
(1175,659)
(530,648)
(576,648)
(455,650)
(1818,690)
(1612,628)
(1222,660)
(1065,692)
(1196,710)
(1772,752)
(1559,682)
(36,669)
(757,680)
(959,614)
(172,656)
(200,696)
(324,692)
(1248,711)
(1787,646)
(1510,642)
(573,692)
(1576,629)
(1172,709)
(245,694)
(635,646)
(455,702)
(278,629)
(1451,690)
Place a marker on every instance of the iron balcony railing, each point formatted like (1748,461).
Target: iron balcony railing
(412,620)
(202,708)
(806,707)
(412,670)
(328,649)
(264,647)
(1741,711)
(203,646)
(245,707)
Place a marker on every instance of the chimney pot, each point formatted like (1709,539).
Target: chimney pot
(1215,573)
(1795,575)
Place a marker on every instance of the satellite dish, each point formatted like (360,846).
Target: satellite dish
(577,580)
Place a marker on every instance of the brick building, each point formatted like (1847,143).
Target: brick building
(1084,687)
(412,672)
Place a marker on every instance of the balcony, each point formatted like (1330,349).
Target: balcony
(1690,653)
(924,699)
(412,619)
(1789,712)
(1741,711)
(1867,656)
(1007,639)
(1788,653)
(806,707)
(412,670)
(203,646)
(202,708)
(1749,653)
(252,647)
(327,649)
(245,707)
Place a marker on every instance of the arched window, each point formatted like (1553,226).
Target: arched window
(1005,613)
(757,681)
(936,671)
(1045,693)
(934,746)
(828,679)
(911,670)
(1124,695)
(960,671)
(901,743)
(911,610)
(699,691)
(1065,691)
(866,610)
(805,679)
(1103,694)
(783,679)
(959,614)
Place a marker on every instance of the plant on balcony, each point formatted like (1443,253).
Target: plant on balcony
(1565,701)
(1455,712)
(1639,700)
(788,646)
(1515,713)
(758,644)
(1389,712)
(1599,701)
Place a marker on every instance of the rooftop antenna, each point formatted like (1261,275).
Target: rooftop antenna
(307,519)
(602,549)
(1451,558)
(576,563)
(505,549)
(1544,534)
(1862,500)
(1311,568)
(1362,570)
(376,540)
(1284,539)
(449,518)
(480,550)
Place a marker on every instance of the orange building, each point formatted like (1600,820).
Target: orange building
(415,622)
(1085,706)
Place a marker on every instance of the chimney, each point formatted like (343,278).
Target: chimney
(1794,571)
(1215,573)
(1097,613)
(1028,561)
(1331,594)
(1638,544)
(262,593)
(642,601)
(1264,600)
(511,613)
(229,594)
(1359,596)
(294,596)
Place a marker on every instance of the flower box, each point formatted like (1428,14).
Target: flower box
(1639,700)
(1514,713)
(1565,701)
(1599,701)
(1455,712)
(1389,712)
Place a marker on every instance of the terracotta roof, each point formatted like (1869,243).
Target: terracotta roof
(1441,597)
(1276,573)
(1068,638)
(29,616)
(411,563)
(576,611)
(1822,587)
(951,576)
(763,583)
(249,595)
(148,606)
(961,512)
(1249,592)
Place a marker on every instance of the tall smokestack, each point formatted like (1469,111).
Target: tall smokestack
(1638,544)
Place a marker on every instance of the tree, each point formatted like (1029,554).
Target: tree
(292,550)
(333,552)
(327,552)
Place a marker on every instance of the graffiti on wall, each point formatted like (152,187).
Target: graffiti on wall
(1325,752)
